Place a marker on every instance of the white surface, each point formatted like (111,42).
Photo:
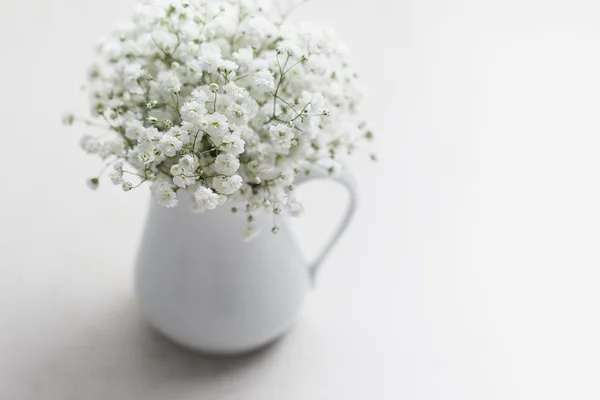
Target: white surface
(471,271)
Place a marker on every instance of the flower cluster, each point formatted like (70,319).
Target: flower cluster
(221,100)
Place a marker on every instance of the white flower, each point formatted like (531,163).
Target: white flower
(169,81)
(131,73)
(148,135)
(281,138)
(164,194)
(189,163)
(264,80)
(217,125)
(176,170)
(167,198)
(134,129)
(290,47)
(239,114)
(184,181)
(90,144)
(244,56)
(227,184)
(147,152)
(280,132)
(192,110)
(146,157)
(258,28)
(116,177)
(232,144)
(228,66)
(206,199)
(179,133)
(170,145)
(111,148)
(200,95)
(221,101)
(235,91)
(226,164)
(210,56)
(315,102)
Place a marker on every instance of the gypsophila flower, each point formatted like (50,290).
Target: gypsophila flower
(264,80)
(90,144)
(193,110)
(206,199)
(217,125)
(176,170)
(164,194)
(169,82)
(132,72)
(184,181)
(116,177)
(169,145)
(210,56)
(221,101)
(227,184)
(281,138)
(232,144)
(188,163)
(226,164)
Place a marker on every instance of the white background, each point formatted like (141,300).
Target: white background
(470,272)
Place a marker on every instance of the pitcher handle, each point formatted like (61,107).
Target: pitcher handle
(346,179)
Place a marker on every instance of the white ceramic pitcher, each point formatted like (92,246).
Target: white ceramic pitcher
(202,286)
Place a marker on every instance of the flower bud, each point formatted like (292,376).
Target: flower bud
(93,183)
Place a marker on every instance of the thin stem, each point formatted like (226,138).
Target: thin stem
(281,77)
(139,184)
(290,68)
(241,77)
(286,63)
(178,41)
(175,98)
(104,168)
(300,115)
(168,56)
(119,130)
(133,173)
(169,105)
(195,137)
(287,104)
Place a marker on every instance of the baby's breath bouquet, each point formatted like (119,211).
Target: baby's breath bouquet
(221,100)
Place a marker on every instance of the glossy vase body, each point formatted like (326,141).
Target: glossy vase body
(202,286)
